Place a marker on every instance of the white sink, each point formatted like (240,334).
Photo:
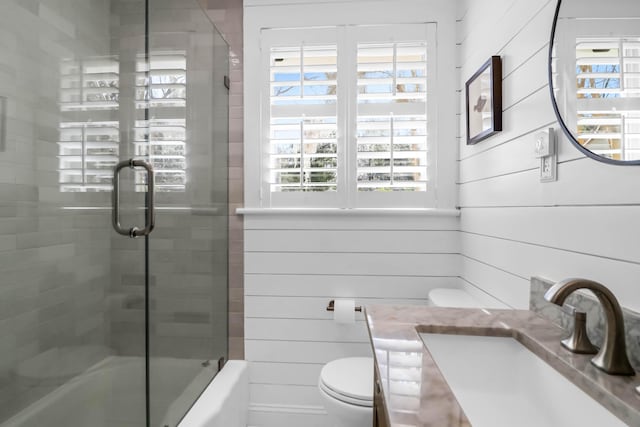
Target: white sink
(500,383)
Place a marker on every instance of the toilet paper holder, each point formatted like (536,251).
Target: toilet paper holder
(332,304)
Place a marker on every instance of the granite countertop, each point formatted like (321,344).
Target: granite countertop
(415,392)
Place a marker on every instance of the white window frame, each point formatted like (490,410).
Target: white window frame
(404,199)
(288,38)
(274,14)
(347,38)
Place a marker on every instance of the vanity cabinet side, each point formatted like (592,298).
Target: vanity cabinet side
(380,416)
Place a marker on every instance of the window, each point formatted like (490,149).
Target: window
(391,130)
(607,76)
(303,143)
(345,116)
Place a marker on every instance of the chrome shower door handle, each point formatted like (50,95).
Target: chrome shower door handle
(150,217)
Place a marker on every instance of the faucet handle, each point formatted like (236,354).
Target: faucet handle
(569,309)
(578,341)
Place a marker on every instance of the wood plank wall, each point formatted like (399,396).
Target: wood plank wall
(295,264)
(512,225)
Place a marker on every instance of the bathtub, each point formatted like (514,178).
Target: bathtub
(110,394)
(225,402)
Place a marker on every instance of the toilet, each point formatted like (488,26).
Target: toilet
(346,385)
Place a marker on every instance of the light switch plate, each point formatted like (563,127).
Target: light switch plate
(545,143)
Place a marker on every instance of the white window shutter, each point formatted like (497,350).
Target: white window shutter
(345,117)
(303,145)
(607,79)
(392,117)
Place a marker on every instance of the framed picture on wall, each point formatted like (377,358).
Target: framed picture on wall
(484,101)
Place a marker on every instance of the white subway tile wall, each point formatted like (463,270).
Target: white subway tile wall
(228,18)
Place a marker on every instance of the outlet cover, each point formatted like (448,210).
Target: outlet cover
(549,168)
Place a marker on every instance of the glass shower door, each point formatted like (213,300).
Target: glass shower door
(97,328)
(188,121)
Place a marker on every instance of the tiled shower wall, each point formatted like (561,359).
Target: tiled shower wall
(54,262)
(227,16)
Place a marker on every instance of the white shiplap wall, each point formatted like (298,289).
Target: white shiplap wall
(294,264)
(513,226)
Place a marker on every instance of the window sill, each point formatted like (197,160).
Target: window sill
(350,212)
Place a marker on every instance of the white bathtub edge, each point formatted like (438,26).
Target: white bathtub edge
(225,403)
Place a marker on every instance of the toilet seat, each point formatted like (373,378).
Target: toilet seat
(349,380)
(346,399)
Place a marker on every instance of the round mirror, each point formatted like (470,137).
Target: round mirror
(594,77)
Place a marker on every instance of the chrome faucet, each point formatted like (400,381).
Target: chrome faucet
(612,357)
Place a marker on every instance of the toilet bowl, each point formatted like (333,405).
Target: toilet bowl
(346,385)
(346,388)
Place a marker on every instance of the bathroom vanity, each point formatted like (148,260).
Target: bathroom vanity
(380,415)
(412,389)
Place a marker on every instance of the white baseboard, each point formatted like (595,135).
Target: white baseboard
(272,415)
(289,409)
